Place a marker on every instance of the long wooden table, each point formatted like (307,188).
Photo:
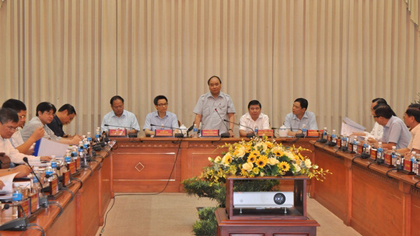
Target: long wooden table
(84,203)
(149,164)
(133,165)
(373,199)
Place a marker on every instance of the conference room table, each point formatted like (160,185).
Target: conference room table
(81,207)
(161,164)
(133,165)
(373,199)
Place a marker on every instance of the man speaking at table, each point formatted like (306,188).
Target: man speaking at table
(214,107)
(119,118)
(299,117)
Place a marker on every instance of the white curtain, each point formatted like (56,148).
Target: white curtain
(338,54)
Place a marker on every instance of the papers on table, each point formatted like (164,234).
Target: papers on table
(348,127)
(46,147)
(7,191)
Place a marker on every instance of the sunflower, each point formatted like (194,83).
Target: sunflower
(277,151)
(253,156)
(227,159)
(252,159)
(283,166)
(261,162)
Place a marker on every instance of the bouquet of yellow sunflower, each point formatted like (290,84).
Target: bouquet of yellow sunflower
(261,157)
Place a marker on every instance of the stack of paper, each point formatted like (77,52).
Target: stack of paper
(348,127)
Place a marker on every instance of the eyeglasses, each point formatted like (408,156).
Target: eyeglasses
(375,116)
(11,128)
(162,104)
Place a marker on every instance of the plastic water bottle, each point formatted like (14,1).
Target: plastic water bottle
(82,154)
(89,138)
(195,132)
(54,164)
(98,134)
(355,143)
(74,151)
(16,200)
(344,142)
(67,157)
(413,161)
(334,137)
(325,134)
(380,153)
(304,130)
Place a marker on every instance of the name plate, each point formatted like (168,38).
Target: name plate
(339,142)
(54,186)
(66,178)
(314,133)
(388,159)
(78,164)
(72,167)
(209,133)
(25,206)
(350,147)
(163,133)
(266,132)
(408,165)
(360,148)
(117,133)
(373,153)
(34,202)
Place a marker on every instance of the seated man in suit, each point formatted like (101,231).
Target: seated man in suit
(119,118)
(161,118)
(44,115)
(9,122)
(395,131)
(64,116)
(299,117)
(253,119)
(16,140)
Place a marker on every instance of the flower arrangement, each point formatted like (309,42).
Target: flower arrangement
(253,158)
(261,157)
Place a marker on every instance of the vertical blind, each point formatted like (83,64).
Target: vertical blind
(338,54)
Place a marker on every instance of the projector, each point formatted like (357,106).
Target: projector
(262,200)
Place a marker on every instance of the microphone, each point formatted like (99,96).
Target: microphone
(189,130)
(301,135)
(177,135)
(131,135)
(43,201)
(19,224)
(223,135)
(249,135)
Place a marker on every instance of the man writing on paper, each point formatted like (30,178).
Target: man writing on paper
(44,115)
(119,118)
(161,118)
(64,116)
(214,107)
(252,120)
(377,130)
(299,117)
(16,140)
(8,125)
(395,131)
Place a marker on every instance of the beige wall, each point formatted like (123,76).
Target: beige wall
(337,54)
